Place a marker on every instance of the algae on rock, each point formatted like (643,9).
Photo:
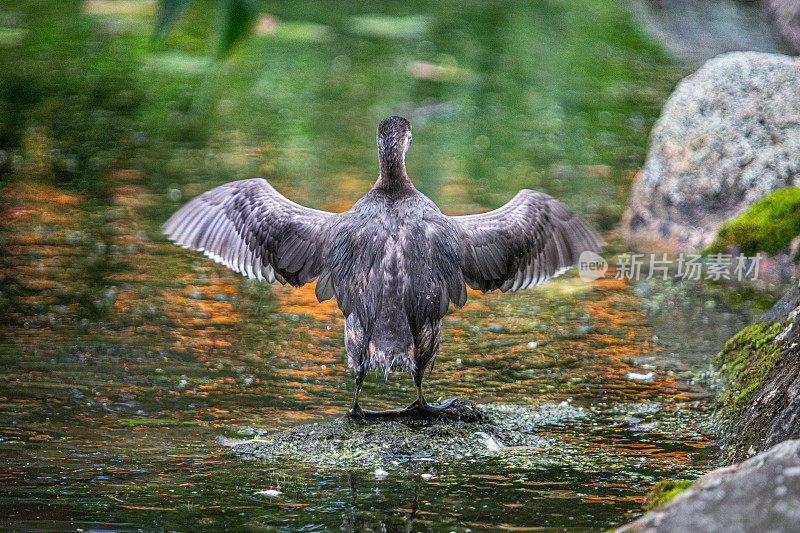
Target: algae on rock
(664,491)
(759,494)
(769,225)
(746,360)
(463,430)
(761,368)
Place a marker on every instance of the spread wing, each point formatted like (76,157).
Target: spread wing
(524,243)
(251,228)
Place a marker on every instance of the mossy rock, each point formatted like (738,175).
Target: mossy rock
(760,405)
(769,225)
(745,362)
(664,491)
(463,430)
(759,494)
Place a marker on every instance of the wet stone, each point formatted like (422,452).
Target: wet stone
(462,430)
(756,495)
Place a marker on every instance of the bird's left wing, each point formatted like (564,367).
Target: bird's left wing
(251,228)
(524,243)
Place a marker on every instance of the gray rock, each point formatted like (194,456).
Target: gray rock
(694,31)
(772,414)
(728,135)
(785,16)
(761,494)
(784,307)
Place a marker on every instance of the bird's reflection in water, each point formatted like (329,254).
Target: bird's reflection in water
(356,519)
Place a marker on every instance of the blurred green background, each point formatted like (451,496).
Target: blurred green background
(557,95)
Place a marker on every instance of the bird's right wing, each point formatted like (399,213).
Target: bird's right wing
(524,243)
(251,228)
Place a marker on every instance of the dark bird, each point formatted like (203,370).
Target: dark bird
(393,262)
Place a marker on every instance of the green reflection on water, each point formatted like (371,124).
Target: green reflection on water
(122,357)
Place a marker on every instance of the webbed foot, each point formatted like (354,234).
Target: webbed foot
(414,410)
(425,407)
(356,412)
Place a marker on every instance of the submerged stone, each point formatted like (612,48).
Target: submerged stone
(461,430)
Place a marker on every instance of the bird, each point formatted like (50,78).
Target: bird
(393,262)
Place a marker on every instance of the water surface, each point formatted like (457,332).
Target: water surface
(123,358)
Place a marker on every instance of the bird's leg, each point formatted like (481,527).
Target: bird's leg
(355,410)
(420,404)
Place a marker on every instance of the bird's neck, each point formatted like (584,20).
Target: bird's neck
(393,171)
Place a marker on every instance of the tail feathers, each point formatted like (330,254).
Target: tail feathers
(391,346)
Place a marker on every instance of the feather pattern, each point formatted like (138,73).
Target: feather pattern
(251,228)
(529,240)
(394,271)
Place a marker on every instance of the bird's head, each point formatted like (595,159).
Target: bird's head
(394,135)
(394,138)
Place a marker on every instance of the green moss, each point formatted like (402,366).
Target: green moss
(462,430)
(664,491)
(746,360)
(769,225)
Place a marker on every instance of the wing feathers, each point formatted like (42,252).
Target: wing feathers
(524,243)
(251,228)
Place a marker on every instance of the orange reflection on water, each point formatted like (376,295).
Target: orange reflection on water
(622,334)
(303,301)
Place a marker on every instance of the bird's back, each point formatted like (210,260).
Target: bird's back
(394,266)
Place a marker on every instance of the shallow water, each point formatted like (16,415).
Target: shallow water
(123,358)
(109,421)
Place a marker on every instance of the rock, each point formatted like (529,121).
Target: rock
(664,491)
(760,494)
(761,414)
(784,307)
(694,32)
(462,430)
(727,136)
(785,16)
(489,442)
(761,367)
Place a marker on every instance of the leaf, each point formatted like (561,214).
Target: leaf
(168,14)
(238,16)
